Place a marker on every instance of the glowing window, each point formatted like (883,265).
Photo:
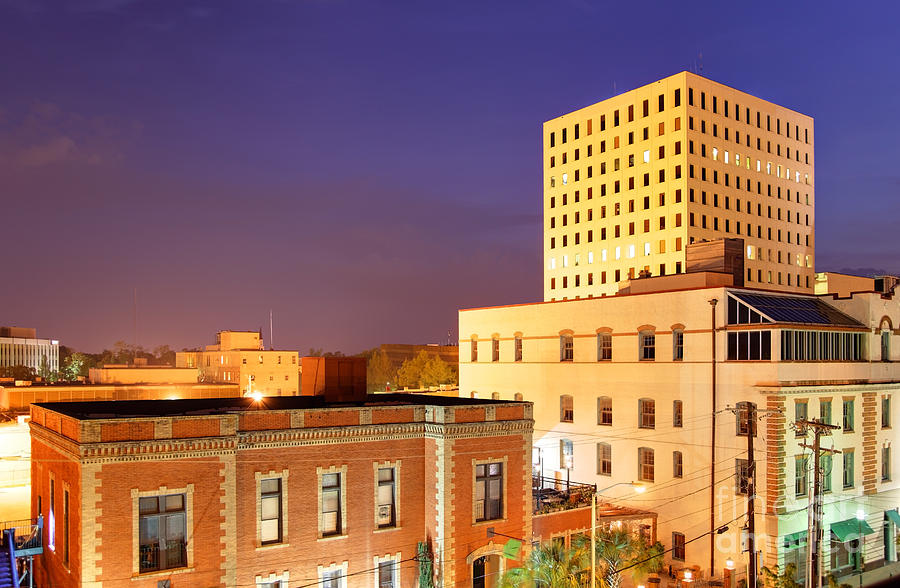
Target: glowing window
(769,168)
(726,156)
(647,156)
(552,263)
(749,251)
(646,248)
(715,154)
(565,179)
(603,255)
(631,251)
(618,253)
(565,259)
(590,257)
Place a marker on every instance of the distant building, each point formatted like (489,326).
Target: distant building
(20,346)
(15,399)
(285,492)
(397,353)
(143,374)
(240,357)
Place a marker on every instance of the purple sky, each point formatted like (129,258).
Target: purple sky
(366,168)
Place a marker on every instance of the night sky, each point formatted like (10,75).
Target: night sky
(362,168)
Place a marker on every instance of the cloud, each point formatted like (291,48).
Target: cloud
(46,134)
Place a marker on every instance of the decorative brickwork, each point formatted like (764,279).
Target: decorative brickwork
(775,455)
(870,448)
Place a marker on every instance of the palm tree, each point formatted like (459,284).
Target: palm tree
(549,566)
(617,549)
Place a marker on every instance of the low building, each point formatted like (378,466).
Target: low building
(397,353)
(239,357)
(282,491)
(143,374)
(631,387)
(20,346)
(16,399)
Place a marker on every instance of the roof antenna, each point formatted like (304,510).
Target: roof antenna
(700,57)
(271,332)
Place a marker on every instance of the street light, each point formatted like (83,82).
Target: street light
(860,517)
(637,487)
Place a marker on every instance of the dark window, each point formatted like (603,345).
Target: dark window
(488,491)
(387,507)
(678,546)
(162,532)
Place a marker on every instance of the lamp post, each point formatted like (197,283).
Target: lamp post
(639,488)
(860,517)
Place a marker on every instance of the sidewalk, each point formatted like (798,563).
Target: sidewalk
(891,570)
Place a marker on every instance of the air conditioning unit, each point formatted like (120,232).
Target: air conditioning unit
(384,514)
(479,510)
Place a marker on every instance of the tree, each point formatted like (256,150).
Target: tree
(619,548)
(380,371)
(424,370)
(551,565)
(436,372)
(17,372)
(163,355)
(73,367)
(773,579)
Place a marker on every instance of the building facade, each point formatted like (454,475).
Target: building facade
(630,181)
(240,357)
(284,492)
(20,346)
(622,388)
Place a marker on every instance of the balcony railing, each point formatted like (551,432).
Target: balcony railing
(173,556)
(28,535)
(552,494)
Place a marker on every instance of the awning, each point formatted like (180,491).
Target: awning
(850,529)
(894,516)
(793,540)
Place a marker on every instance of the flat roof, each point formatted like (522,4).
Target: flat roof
(117,409)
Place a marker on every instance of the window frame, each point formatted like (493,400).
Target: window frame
(678,345)
(566,347)
(604,346)
(282,477)
(485,480)
(647,345)
(604,409)
(679,546)
(677,464)
(678,414)
(604,459)
(646,413)
(340,526)
(185,554)
(566,408)
(646,467)
(393,483)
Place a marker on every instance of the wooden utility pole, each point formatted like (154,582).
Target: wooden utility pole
(712,453)
(814,529)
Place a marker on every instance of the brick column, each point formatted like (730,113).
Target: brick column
(870,442)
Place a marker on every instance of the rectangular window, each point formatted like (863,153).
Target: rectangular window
(518,348)
(677,413)
(885,464)
(604,459)
(848,415)
(825,411)
(386,574)
(270,516)
(387,507)
(647,346)
(801,411)
(678,546)
(162,532)
(566,348)
(488,491)
(474,345)
(65,537)
(495,349)
(848,475)
(801,475)
(566,408)
(742,476)
(677,464)
(885,412)
(647,413)
(332,579)
(826,462)
(331,504)
(645,464)
(677,345)
(604,346)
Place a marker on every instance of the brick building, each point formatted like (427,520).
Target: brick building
(289,491)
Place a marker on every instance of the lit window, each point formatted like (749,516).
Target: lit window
(737,159)
(566,454)
(618,253)
(565,179)
(270,513)
(590,257)
(749,251)
(758,165)
(577,258)
(715,153)
(647,156)
(769,168)
(630,251)
(386,497)
(565,261)
(603,255)
(726,156)
(552,263)
(646,248)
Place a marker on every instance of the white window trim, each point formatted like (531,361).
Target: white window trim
(284,577)
(375,467)
(342,470)
(503,502)
(136,496)
(342,567)
(260,476)
(386,558)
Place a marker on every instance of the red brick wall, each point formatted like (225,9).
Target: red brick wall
(265,420)
(361,542)
(555,523)
(131,431)
(331,418)
(70,428)
(50,569)
(510,413)
(186,428)
(116,482)
(469,415)
(392,415)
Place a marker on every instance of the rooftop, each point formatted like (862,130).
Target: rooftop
(212,406)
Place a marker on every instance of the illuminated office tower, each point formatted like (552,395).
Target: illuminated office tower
(631,180)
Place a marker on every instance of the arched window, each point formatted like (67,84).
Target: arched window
(495,348)
(604,411)
(566,347)
(678,345)
(677,413)
(517,345)
(604,459)
(604,346)
(566,409)
(885,339)
(677,464)
(645,464)
(647,342)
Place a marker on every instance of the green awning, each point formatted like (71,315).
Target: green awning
(794,539)
(511,549)
(894,516)
(850,529)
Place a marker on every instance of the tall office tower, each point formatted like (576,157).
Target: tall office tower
(630,181)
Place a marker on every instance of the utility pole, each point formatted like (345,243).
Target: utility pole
(814,529)
(712,456)
(751,493)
